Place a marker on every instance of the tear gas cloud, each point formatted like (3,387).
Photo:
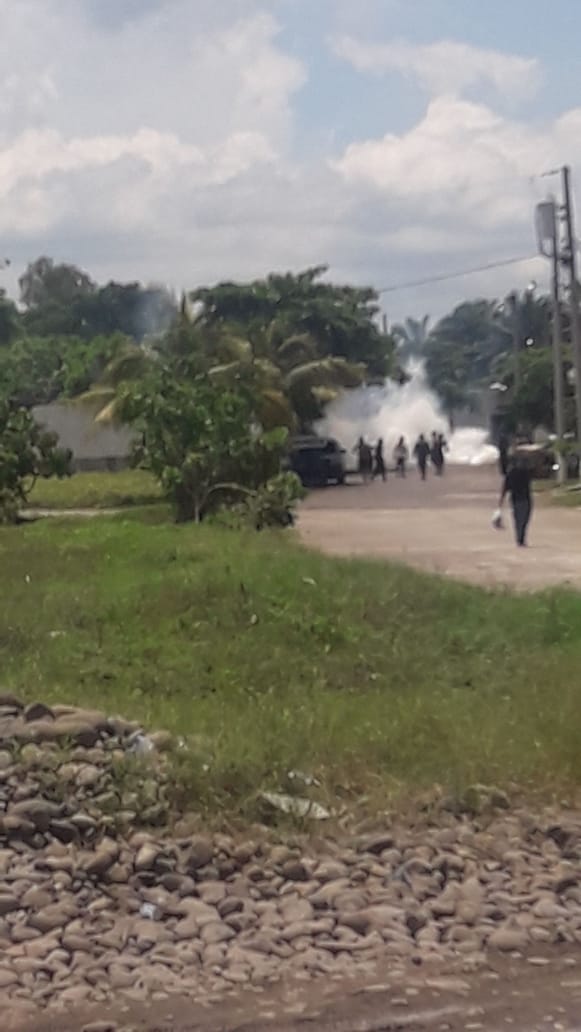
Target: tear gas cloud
(392,411)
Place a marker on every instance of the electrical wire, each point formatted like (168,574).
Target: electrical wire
(456,275)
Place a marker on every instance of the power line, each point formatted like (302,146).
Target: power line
(456,275)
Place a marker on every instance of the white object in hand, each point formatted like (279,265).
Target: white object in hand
(497,520)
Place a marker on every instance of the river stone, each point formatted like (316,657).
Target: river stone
(8,904)
(201,853)
(216,932)
(38,711)
(56,915)
(40,812)
(98,863)
(508,940)
(295,870)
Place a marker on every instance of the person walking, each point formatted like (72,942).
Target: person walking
(517,484)
(503,462)
(401,456)
(364,459)
(422,452)
(379,469)
(434,449)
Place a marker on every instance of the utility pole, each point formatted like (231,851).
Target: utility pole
(549,239)
(516,341)
(570,260)
(558,385)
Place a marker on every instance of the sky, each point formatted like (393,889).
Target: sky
(186,142)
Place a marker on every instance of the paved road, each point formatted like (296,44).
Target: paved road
(444,526)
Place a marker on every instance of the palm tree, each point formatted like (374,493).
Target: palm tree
(412,337)
(292,379)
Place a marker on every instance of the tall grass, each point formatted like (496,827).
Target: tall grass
(373,677)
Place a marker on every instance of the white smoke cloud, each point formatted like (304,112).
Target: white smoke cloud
(410,410)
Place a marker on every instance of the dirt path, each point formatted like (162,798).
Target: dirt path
(540,994)
(444,526)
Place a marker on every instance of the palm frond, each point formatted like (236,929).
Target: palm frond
(326,372)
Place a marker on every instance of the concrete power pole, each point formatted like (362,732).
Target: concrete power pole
(558,383)
(549,239)
(570,260)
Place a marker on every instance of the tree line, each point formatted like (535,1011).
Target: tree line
(214,383)
(472,350)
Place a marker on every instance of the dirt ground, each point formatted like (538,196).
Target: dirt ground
(539,994)
(444,526)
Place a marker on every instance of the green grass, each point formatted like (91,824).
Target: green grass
(379,680)
(550,493)
(96,491)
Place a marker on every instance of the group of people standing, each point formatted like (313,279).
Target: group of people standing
(371,460)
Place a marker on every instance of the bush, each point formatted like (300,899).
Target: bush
(26,453)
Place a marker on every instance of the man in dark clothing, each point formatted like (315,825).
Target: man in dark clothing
(422,452)
(517,484)
(503,454)
(379,461)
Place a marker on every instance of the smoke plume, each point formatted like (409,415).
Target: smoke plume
(392,411)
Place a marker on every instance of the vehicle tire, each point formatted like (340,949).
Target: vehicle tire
(341,480)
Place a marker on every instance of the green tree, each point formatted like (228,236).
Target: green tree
(532,404)
(9,320)
(412,338)
(50,293)
(26,453)
(341,320)
(38,370)
(202,442)
(129,308)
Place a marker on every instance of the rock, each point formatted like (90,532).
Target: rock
(376,843)
(508,940)
(8,904)
(64,831)
(36,898)
(7,978)
(40,812)
(359,922)
(146,857)
(16,827)
(449,985)
(201,853)
(162,740)
(330,871)
(295,910)
(56,915)
(295,870)
(38,711)
(230,905)
(279,855)
(100,1026)
(11,702)
(6,759)
(216,932)
(97,864)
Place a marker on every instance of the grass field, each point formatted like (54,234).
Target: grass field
(378,680)
(96,491)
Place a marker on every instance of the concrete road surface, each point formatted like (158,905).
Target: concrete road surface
(444,526)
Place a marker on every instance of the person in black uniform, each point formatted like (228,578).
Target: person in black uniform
(422,452)
(517,484)
(379,469)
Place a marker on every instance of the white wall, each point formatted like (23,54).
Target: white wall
(92,444)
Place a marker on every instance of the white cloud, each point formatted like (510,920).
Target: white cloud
(163,147)
(446,66)
(462,162)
